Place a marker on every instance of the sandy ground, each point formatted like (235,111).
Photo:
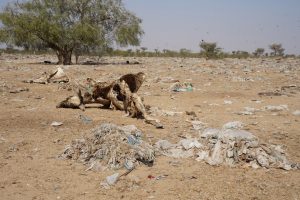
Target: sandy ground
(29,145)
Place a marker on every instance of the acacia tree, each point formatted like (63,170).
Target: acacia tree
(210,50)
(259,52)
(66,25)
(277,49)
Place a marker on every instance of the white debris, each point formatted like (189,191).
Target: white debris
(210,133)
(276,108)
(262,160)
(183,149)
(216,158)
(164,145)
(179,153)
(198,125)
(296,113)
(248,111)
(227,102)
(238,135)
(56,123)
(112,179)
(111,146)
(202,155)
(244,113)
(233,125)
(190,143)
(155,111)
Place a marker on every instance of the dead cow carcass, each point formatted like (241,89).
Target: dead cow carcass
(120,94)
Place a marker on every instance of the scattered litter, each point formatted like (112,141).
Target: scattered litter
(2,139)
(256,101)
(161,177)
(241,79)
(56,123)
(275,93)
(191,113)
(183,149)
(248,111)
(155,111)
(227,102)
(18,90)
(150,177)
(276,108)
(57,76)
(198,125)
(182,87)
(244,113)
(233,125)
(296,113)
(190,143)
(112,179)
(210,133)
(85,119)
(165,80)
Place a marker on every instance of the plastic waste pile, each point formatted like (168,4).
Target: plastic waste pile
(111,146)
(115,147)
(182,87)
(228,146)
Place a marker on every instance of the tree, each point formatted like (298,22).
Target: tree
(66,25)
(259,52)
(144,49)
(184,52)
(210,50)
(277,49)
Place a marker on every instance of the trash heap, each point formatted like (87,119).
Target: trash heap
(228,146)
(111,146)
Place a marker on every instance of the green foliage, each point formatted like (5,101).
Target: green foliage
(209,50)
(259,52)
(240,54)
(68,25)
(277,49)
(184,52)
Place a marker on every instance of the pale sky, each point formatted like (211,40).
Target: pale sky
(233,24)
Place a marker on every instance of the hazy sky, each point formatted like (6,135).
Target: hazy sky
(233,24)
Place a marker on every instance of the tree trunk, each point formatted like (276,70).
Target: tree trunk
(76,58)
(60,57)
(67,56)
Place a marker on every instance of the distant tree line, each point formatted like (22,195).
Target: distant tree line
(208,51)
